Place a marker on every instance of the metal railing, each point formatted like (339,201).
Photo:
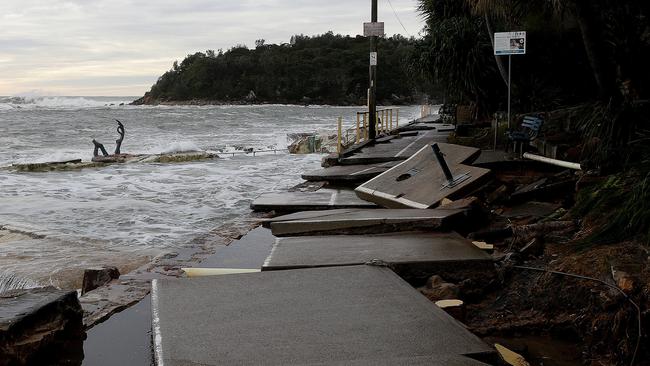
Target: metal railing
(251,152)
(359,132)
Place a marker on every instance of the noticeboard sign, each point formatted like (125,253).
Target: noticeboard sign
(510,43)
(373,29)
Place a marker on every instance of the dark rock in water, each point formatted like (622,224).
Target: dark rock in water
(41,326)
(115,158)
(95,277)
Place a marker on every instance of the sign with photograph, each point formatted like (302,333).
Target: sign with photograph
(510,43)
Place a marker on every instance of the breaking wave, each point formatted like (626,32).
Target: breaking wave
(10,281)
(7,103)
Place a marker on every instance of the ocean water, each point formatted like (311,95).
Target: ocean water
(123,215)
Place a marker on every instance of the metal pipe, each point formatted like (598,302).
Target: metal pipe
(544,159)
(442,162)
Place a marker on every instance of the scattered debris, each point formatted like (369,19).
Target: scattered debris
(483,245)
(510,357)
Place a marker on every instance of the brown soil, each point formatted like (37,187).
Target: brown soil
(597,320)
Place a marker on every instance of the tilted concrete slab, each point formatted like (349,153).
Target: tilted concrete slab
(348,173)
(248,252)
(395,150)
(322,199)
(361,315)
(363,221)
(419,182)
(417,249)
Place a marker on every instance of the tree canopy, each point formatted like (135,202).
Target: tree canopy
(328,68)
(577,50)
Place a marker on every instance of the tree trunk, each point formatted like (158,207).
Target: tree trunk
(592,40)
(499,61)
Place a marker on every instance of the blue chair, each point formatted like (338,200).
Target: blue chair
(530,128)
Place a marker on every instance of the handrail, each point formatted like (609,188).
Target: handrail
(383,124)
(274,151)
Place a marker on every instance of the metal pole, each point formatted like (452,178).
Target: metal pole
(358,132)
(509,80)
(338,142)
(442,162)
(372,103)
(496,129)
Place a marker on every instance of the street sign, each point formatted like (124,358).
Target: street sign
(373,58)
(373,29)
(509,43)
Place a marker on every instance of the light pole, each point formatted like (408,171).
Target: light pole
(372,102)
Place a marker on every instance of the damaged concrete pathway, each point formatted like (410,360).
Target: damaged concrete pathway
(361,315)
(333,288)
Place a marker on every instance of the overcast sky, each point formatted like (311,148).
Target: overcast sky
(120,47)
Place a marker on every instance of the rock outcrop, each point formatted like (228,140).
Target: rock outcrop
(41,326)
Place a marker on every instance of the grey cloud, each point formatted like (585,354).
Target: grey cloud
(102,42)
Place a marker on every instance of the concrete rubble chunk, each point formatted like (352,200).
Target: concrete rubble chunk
(40,326)
(99,276)
(360,315)
(419,182)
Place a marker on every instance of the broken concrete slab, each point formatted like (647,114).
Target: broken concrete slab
(348,174)
(413,255)
(361,315)
(322,199)
(363,221)
(40,326)
(395,150)
(419,182)
(101,303)
(248,252)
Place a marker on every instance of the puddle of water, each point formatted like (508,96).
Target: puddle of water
(124,339)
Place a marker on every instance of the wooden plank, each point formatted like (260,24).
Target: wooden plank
(419,182)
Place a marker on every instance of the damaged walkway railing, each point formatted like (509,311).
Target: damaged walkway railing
(354,135)
(253,152)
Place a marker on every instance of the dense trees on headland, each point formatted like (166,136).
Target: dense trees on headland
(328,68)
